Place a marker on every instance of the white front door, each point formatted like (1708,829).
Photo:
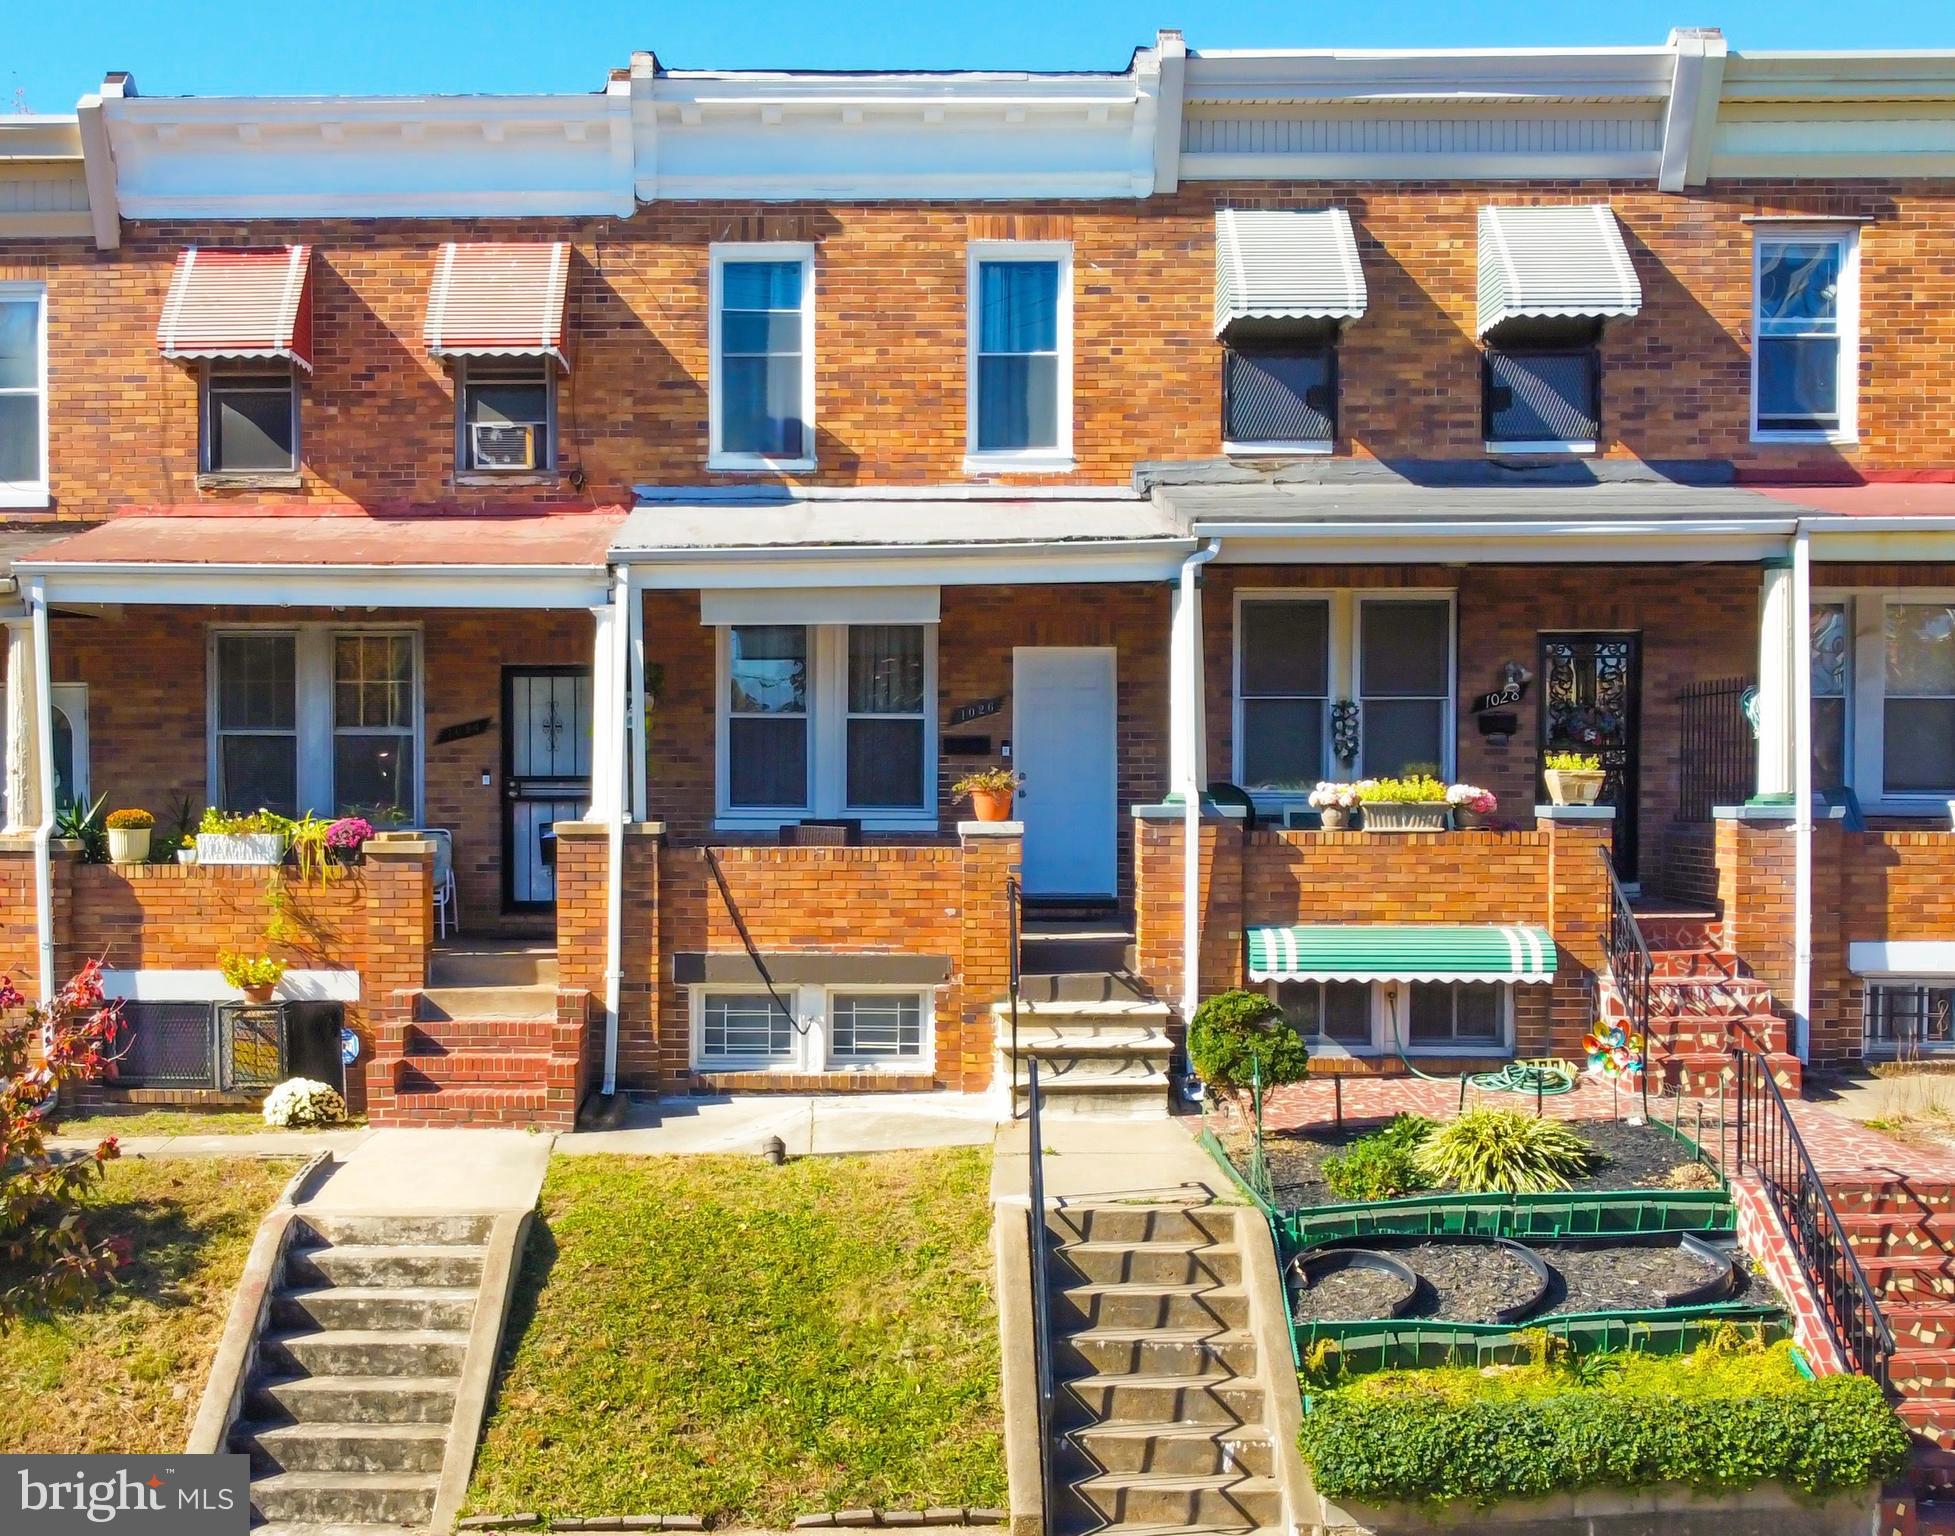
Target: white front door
(1063,718)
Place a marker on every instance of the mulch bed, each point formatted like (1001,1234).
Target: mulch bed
(1622,1279)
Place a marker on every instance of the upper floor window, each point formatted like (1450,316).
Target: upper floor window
(250,417)
(763,357)
(23,395)
(506,414)
(1541,385)
(1279,387)
(1805,334)
(1020,370)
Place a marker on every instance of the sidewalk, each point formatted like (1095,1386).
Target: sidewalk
(1110,1162)
(806,1124)
(249,1144)
(460,1170)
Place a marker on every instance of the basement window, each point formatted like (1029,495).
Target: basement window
(1900,1017)
(813,1028)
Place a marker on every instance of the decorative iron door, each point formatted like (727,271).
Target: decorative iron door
(546,773)
(1591,701)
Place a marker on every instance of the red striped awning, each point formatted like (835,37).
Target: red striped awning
(240,303)
(501,300)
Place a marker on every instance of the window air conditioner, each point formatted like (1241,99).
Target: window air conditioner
(500,445)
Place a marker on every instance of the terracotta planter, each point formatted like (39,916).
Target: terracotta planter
(258,994)
(1569,786)
(129,845)
(991,804)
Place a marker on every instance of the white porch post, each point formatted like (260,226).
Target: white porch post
(1781,650)
(639,709)
(23,730)
(610,667)
(37,608)
(1188,756)
(1801,734)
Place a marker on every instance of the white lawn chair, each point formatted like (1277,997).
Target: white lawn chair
(445,915)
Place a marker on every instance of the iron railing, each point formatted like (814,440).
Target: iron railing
(1717,757)
(1631,967)
(1769,1143)
(1014,923)
(1041,1301)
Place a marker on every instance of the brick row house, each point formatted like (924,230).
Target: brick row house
(646,505)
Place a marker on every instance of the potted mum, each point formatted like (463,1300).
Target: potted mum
(990,790)
(1336,803)
(253,975)
(1416,803)
(1471,804)
(346,837)
(129,832)
(257,838)
(1573,778)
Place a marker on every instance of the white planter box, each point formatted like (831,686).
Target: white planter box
(129,845)
(240,847)
(1573,786)
(1406,816)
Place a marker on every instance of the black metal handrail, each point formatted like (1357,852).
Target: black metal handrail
(1631,967)
(1014,922)
(1769,1143)
(1041,1301)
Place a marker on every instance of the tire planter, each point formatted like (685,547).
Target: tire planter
(1309,1268)
(1723,1283)
(240,848)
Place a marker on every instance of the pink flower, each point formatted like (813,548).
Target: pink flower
(349,832)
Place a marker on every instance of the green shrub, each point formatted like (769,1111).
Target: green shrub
(1505,1150)
(1715,1420)
(1232,1030)
(1382,1165)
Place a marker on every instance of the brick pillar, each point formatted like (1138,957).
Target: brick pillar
(1755,876)
(1579,838)
(582,903)
(1158,914)
(393,959)
(992,853)
(1835,1032)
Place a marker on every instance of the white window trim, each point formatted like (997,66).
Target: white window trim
(1345,669)
(719,255)
(828,716)
(1382,1042)
(1579,445)
(994,461)
(1866,696)
(813,1006)
(1847,237)
(1890,1050)
(204,445)
(32,494)
(314,727)
(547,460)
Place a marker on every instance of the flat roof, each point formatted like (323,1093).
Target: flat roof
(679,527)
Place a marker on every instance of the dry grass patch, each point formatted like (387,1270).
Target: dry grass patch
(124,1373)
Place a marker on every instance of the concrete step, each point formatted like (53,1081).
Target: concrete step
(1079,1016)
(353,1399)
(1172,1447)
(532,1002)
(1923,1373)
(491,963)
(376,1498)
(1112,982)
(1088,947)
(1158,1263)
(1156,1352)
(1218,1307)
(434,1227)
(1128,1096)
(1224,1501)
(366,1352)
(394,1264)
(1143,1223)
(341,1447)
(1218,1397)
(1118,1041)
(362,1306)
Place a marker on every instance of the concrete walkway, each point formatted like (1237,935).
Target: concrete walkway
(460,1170)
(806,1124)
(1103,1162)
(245,1144)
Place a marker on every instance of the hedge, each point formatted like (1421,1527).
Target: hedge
(1460,1434)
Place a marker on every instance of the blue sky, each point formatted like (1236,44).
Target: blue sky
(51,52)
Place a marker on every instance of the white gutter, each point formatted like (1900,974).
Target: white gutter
(44,770)
(1187,641)
(1802,791)
(1160,543)
(614,834)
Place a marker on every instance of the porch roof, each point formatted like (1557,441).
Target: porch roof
(1401,952)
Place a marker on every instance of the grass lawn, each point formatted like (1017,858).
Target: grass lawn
(712,1336)
(176,1122)
(124,1373)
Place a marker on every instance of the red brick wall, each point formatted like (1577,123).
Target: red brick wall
(891,347)
(1870,887)
(1688,869)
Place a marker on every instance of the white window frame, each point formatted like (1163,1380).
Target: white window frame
(205,434)
(314,721)
(828,718)
(1382,1041)
(1346,670)
(996,461)
(1866,696)
(813,1007)
(546,462)
(1892,1050)
(720,255)
(30,494)
(1847,237)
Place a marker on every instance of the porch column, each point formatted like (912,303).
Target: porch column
(1781,651)
(1188,753)
(23,729)
(607,719)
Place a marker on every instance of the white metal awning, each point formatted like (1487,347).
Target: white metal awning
(1927,958)
(1286,264)
(1540,263)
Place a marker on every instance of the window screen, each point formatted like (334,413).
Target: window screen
(1279,396)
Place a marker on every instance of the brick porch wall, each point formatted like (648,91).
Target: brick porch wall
(1876,886)
(1689,863)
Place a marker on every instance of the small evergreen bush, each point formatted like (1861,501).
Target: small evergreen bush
(1504,1150)
(1232,1031)
(1383,1164)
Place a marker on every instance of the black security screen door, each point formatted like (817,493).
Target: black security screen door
(546,765)
(1591,701)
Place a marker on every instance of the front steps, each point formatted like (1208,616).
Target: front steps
(1161,1420)
(1699,993)
(1111,1058)
(347,1411)
(494,1055)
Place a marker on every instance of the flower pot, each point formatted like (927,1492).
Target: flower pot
(1572,786)
(129,845)
(1468,821)
(344,856)
(258,994)
(1406,816)
(240,848)
(991,804)
(186,855)
(1337,818)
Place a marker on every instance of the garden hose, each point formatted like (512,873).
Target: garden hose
(1539,1079)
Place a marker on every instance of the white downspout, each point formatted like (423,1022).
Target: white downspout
(614,832)
(44,769)
(1802,789)
(1189,748)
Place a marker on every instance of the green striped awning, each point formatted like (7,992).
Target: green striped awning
(1400,952)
